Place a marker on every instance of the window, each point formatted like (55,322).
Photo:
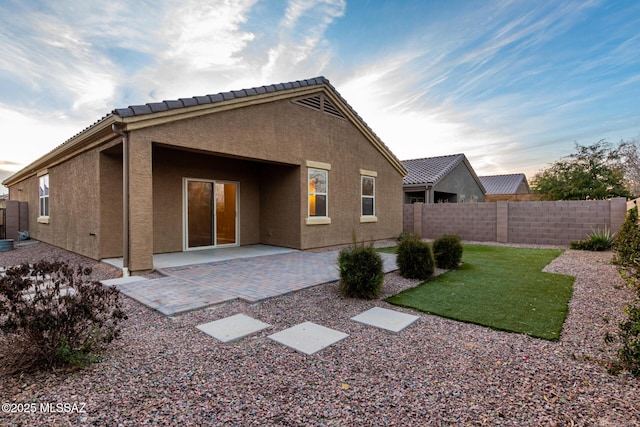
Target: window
(318,193)
(368,185)
(44,196)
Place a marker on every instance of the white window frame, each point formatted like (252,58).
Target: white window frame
(44,201)
(367,174)
(324,168)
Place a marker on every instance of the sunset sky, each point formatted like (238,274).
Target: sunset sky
(511,84)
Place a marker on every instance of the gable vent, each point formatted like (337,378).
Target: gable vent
(329,108)
(320,103)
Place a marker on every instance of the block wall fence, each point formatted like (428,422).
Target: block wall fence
(544,223)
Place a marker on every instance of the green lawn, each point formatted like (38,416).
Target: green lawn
(500,287)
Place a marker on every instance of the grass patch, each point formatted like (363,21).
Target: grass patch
(500,287)
(387,250)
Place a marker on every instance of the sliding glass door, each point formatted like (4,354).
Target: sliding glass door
(211,217)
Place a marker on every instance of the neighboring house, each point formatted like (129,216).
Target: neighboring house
(515,183)
(444,179)
(510,187)
(288,164)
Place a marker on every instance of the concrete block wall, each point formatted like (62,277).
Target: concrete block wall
(556,223)
(549,223)
(471,221)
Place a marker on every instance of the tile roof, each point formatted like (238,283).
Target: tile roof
(504,184)
(155,107)
(430,170)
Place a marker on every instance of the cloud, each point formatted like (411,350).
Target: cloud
(300,37)
(54,63)
(31,133)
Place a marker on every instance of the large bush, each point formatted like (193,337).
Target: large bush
(361,273)
(414,258)
(447,251)
(628,337)
(627,249)
(627,244)
(52,315)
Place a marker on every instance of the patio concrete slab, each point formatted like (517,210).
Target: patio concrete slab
(202,256)
(253,279)
(383,318)
(308,338)
(233,327)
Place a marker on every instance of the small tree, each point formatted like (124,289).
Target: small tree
(593,172)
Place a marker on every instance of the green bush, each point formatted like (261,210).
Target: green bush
(414,258)
(403,236)
(597,240)
(52,315)
(627,243)
(581,245)
(361,273)
(629,338)
(447,251)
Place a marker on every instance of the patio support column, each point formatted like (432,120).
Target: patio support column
(140,205)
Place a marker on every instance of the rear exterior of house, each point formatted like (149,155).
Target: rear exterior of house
(287,165)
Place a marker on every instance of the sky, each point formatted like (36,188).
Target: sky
(513,85)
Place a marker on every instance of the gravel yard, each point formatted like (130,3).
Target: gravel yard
(163,371)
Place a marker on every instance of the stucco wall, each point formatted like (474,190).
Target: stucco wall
(111,203)
(461,182)
(73,204)
(279,201)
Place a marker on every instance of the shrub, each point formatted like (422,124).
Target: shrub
(403,236)
(447,251)
(361,273)
(627,243)
(629,338)
(414,258)
(597,240)
(52,315)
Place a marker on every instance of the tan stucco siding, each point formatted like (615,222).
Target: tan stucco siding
(340,144)
(73,205)
(140,204)
(279,205)
(111,204)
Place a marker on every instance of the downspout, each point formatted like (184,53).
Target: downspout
(125,198)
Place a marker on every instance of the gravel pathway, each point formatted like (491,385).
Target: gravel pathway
(163,371)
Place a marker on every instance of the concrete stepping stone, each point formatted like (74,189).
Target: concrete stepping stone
(383,318)
(123,280)
(233,327)
(308,338)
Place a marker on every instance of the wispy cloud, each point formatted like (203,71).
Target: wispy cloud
(501,81)
(300,37)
